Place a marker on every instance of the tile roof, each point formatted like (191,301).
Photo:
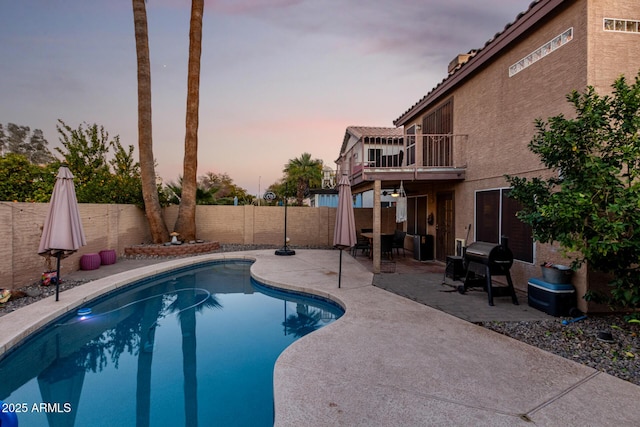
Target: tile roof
(360,131)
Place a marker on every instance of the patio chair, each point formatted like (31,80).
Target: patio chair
(362,243)
(398,241)
(386,245)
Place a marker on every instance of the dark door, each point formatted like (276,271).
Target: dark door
(445,229)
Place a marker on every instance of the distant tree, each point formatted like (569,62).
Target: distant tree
(3,140)
(283,190)
(20,140)
(225,189)
(212,189)
(157,226)
(186,221)
(204,196)
(592,206)
(17,138)
(303,173)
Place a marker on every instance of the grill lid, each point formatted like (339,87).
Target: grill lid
(490,254)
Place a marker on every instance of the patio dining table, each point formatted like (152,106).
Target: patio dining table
(369,236)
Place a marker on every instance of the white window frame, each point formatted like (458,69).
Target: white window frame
(552,45)
(614,25)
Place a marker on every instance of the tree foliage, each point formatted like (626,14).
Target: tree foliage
(22,181)
(212,189)
(592,206)
(86,150)
(303,173)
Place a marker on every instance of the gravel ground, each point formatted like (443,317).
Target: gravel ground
(583,341)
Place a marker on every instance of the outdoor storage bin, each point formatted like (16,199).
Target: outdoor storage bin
(555,299)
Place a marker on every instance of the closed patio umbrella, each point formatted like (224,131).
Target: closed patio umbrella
(344,235)
(62,233)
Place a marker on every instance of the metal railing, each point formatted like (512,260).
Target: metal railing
(417,151)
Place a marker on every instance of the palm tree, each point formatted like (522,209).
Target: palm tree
(159,232)
(304,173)
(186,221)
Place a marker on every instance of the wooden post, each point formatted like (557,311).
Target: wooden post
(377,188)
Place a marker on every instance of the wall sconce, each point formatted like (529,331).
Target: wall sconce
(418,128)
(395,193)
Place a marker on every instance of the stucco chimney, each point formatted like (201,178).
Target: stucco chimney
(458,61)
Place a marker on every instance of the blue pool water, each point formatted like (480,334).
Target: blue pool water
(192,347)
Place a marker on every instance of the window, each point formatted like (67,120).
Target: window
(411,145)
(417,215)
(439,121)
(496,217)
(621,25)
(544,50)
(374,156)
(436,142)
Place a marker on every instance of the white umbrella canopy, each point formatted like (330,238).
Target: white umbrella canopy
(344,235)
(62,233)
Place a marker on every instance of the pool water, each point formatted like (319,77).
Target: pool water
(192,347)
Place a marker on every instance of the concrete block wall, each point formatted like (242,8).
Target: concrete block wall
(120,226)
(105,227)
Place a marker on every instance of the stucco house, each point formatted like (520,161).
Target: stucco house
(460,139)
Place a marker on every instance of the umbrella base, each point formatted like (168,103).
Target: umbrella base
(285,251)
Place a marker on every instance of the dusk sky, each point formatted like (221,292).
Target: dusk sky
(278,77)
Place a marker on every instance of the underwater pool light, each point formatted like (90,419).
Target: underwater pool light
(83,312)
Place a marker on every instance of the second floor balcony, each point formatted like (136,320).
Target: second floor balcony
(419,157)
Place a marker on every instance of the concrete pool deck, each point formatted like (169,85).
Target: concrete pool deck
(389,361)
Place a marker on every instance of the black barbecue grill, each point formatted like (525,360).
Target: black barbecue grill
(484,260)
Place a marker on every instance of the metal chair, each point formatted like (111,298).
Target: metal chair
(398,241)
(386,245)
(362,243)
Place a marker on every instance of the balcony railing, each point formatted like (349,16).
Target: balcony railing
(420,153)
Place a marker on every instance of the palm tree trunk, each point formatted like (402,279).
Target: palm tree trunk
(186,221)
(157,226)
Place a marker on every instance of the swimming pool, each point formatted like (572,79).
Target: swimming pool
(195,346)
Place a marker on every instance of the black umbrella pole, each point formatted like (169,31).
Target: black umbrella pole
(340,270)
(58,276)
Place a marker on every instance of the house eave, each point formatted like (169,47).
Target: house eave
(537,11)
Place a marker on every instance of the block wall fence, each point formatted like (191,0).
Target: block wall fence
(120,226)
